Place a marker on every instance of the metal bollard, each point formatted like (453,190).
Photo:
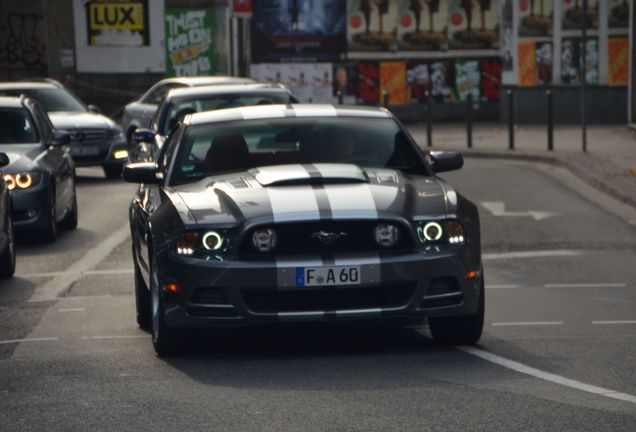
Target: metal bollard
(385,99)
(429,120)
(511,120)
(469,120)
(340,97)
(548,94)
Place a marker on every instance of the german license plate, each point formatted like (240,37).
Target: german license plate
(85,151)
(327,276)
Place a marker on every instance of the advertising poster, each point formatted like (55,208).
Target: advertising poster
(321,78)
(536,18)
(368,80)
(372,25)
(473,24)
(442,76)
(112,23)
(507,37)
(393,82)
(618,14)
(490,86)
(270,72)
(345,81)
(467,79)
(309,82)
(572,11)
(418,82)
(618,58)
(189,45)
(296,30)
(543,55)
(571,61)
(422,25)
(527,63)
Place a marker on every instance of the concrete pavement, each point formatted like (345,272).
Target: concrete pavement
(608,165)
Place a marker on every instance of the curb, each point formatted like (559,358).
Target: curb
(573,168)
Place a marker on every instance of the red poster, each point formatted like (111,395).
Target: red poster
(618,52)
(242,7)
(368,82)
(393,81)
(527,64)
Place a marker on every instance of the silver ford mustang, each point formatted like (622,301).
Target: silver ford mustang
(290,213)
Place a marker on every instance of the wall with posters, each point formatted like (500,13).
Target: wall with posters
(122,37)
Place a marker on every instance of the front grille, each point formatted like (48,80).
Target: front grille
(90,136)
(296,238)
(208,295)
(327,299)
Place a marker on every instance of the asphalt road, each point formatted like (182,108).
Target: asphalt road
(558,352)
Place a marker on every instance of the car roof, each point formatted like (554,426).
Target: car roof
(16,85)
(203,80)
(11,102)
(283,111)
(225,89)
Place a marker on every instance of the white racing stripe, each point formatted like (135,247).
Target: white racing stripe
(287,202)
(351,201)
(530,254)
(546,376)
(56,286)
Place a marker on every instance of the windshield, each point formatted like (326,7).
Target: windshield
(16,126)
(52,99)
(180,108)
(237,146)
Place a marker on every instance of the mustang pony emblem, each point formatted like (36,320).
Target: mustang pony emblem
(326,238)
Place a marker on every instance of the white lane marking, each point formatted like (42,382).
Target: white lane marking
(85,273)
(527,323)
(531,254)
(115,337)
(586,285)
(498,208)
(285,203)
(72,310)
(502,286)
(40,339)
(546,376)
(56,286)
(615,322)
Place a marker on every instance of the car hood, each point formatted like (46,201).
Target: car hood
(80,120)
(290,193)
(21,156)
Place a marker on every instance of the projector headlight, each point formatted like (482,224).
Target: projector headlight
(202,243)
(386,235)
(23,180)
(265,240)
(440,232)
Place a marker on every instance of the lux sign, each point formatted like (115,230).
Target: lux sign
(120,16)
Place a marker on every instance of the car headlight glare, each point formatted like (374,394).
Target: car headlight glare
(386,235)
(265,240)
(22,180)
(442,232)
(212,241)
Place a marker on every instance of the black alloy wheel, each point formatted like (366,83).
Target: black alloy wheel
(164,340)
(142,297)
(7,257)
(49,232)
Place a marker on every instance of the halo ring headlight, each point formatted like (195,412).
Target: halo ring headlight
(432,231)
(24,181)
(212,240)
(10,181)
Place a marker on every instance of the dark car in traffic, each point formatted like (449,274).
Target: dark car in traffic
(95,140)
(302,213)
(7,242)
(41,173)
(139,112)
(187,100)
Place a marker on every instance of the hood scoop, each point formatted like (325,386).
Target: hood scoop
(287,175)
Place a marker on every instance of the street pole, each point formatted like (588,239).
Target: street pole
(583,74)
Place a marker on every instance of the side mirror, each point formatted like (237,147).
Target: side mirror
(60,137)
(143,135)
(142,172)
(446,160)
(94,109)
(4,160)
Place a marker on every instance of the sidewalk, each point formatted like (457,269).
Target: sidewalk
(609,164)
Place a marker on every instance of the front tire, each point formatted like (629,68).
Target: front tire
(71,218)
(49,232)
(164,339)
(460,330)
(142,298)
(7,257)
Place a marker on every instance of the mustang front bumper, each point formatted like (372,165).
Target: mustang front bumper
(226,293)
